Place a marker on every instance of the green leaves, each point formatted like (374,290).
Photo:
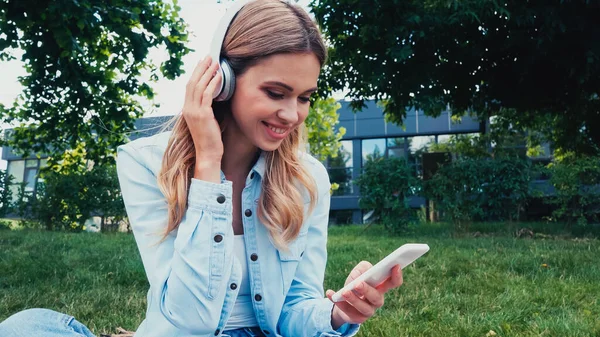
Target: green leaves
(83,59)
(576,182)
(386,186)
(489,57)
(69,196)
(481,189)
(320,122)
(5,193)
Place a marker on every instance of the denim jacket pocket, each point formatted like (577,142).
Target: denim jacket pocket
(289,260)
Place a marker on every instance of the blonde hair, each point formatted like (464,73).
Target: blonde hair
(260,29)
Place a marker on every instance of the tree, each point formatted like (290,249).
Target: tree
(323,138)
(536,62)
(83,59)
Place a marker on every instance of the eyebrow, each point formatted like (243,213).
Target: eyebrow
(288,88)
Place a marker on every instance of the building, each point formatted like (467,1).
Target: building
(367,134)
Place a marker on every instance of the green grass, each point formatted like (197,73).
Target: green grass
(465,286)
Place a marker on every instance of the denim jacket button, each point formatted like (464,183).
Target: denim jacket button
(253,257)
(221,199)
(217,332)
(257,297)
(233,286)
(248,213)
(218,238)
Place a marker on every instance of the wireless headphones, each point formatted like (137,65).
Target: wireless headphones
(225,91)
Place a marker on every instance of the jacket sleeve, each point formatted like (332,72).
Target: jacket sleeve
(186,270)
(306,311)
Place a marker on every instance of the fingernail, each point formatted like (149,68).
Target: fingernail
(359,286)
(346,294)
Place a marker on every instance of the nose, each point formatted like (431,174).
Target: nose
(288,113)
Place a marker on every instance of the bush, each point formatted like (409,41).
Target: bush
(5,193)
(386,186)
(480,189)
(67,200)
(576,182)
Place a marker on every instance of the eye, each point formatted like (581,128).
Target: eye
(274,95)
(304,100)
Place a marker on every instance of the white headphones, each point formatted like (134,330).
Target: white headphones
(225,92)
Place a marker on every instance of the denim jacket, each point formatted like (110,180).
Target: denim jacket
(193,273)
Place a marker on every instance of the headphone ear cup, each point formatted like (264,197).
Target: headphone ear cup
(227,81)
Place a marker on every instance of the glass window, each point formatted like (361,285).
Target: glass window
(396,147)
(344,156)
(418,145)
(340,169)
(343,177)
(16,168)
(373,148)
(443,139)
(30,175)
(31,163)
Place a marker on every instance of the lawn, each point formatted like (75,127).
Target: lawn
(465,286)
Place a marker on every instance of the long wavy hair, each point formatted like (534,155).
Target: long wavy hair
(261,28)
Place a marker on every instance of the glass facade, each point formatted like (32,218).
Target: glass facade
(373,148)
(418,145)
(25,172)
(409,148)
(340,169)
(397,147)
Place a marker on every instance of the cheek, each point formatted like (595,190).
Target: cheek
(303,113)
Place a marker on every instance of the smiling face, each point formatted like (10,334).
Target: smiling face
(271,99)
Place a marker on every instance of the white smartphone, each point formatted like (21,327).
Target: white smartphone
(404,256)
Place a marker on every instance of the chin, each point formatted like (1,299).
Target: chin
(266,145)
(269,147)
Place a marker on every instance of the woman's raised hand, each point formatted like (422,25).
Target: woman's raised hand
(200,118)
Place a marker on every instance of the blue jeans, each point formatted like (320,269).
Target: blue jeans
(48,323)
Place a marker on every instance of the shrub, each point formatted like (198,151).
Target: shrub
(576,182)
(386,186)
(67,200)
(480,189)
(5,193)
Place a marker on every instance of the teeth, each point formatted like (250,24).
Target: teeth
(277,130)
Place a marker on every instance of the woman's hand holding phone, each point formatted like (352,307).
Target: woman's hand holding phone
(200,118)
(360,304)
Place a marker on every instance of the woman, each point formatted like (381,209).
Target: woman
(229,215)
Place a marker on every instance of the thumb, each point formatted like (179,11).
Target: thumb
(329,294)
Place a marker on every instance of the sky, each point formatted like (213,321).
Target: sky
(202,17)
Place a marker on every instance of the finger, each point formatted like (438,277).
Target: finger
(369,294)
(360,268)
(198,71)
(394,281)
(346,307)
(203,82)
(360,305)
(207,97)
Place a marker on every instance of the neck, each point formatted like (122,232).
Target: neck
(239,156)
